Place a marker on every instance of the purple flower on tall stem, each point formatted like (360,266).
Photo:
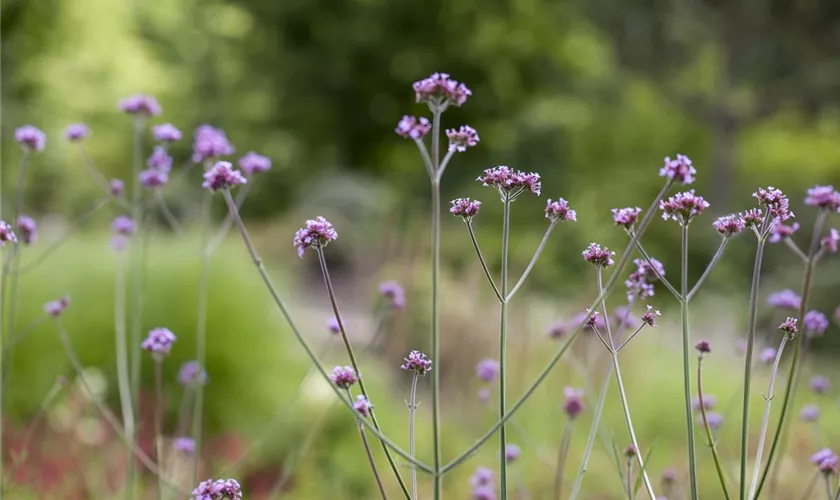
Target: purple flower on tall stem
(703,347)
(512,452)
(222,176)
(464,208)
(767,355)
(139,104)
(253,163)
(592,320)
(557,330)
(6,234)
(595,320)
(820,384)
(631,451)
(123,225)
(411,127)
(729,225)
(814,324)
(439,89)
(821,455)
(809,413)
(626,217)
(159,341)
(31,138)
(28,229)
(482,477)
(649,317)
(76,132)
(573,402)
(714,419)
(117,187)
(510,183)
(829,466)
(487,370)
(790,326)
(779,231)
(823,197)
(344,377)
(220,489)
(153,178)
(55,308)
(318,232)
(784,299)
(709,402)
(680,169)
(752,217)
(192,375)
(775,201)
(392,291)
(184,445)
(559,211)
(210,142)
(484,493)
(649,270)
(682,207)
(601,257)
(159,160)
(830,242)
(333,326)
(462,138)
(166,132)
(362,405)
(418,363)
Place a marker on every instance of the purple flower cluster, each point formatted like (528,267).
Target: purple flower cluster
(139,104)
(626,217)
(210,142)
(512,452)
(559,211)
(809,413)
(649,317)
(184,445)
(117,187)
(640,281)
(333,326)
(826,461)
(753,217)
(682,207)
(714,419)
(159,163)
(775,201)
(573,402)
(412,127)
(589,322)
(27,229)
(222,176)
(767,355)
(462,138)
(780,231)
(76,132)
(823,197)
(191,374)
(631,451)
(784,299)
(789,326)
(439,89)
(55,308)
(253,163)
(318,232)
(729,225)
(123,225)
(814,324)
(166,132)
(465,208)
(392,291)
(31,138)
(829,243)
(601,257)
(703,346)
(344,377)
(511,183)
(6,234)
(159,341)
(708,402)
(482,483)
(680,169)
(418,363)
(487,370)
(362,406)
(820,384)
(220,489)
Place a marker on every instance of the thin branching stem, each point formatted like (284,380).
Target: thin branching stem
(811,485)
(602,339)
(444,163)
(227,223)
(795,248)
(437,460)
(503,479)
(686,339)
(167,214)
(157,447)
(565,441)
(593,431)
(533,261)
(369,453)
(201,327)
(427,160)
(828,489)
(482,261)
(100,180)
(708,270)
(120,342)
(709,438)
(655,270)
(412,410)
(623,344)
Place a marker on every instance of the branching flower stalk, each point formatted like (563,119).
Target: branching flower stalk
(120,322)
(565,441)
(412,409)
(503,348)
(201,328)
(689,419)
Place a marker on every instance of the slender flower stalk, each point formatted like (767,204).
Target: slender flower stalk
(655,270)
(593,432)
(412,408)
(483,262)
(167,213)
(828,488)
(120,320)
(710,439)
(708,270)
(158,444)
(201,328)
(533,260)
(372,462)
(503,349)
(689,419)
(561,459)
(100,180)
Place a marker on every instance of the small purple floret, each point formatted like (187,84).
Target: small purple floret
(789,326)
(682,207)
(511,183)
(56,307)
(210,142)
(418,363)
(830,242)
(27,229)
(344,377)
(465,208)
(649,317)
(601,257)
(462,138)
(779,231)
(412,127)
(31,138)
(318,232)
(117,187)
(814,324)
(184,445)
(559,211)
(123,225)
(729,225)
(439,89)
(487,370)
(222,176)
(626,217)
(191,374)
(392,291)
(76,132)
(823,197)
(573,401)
(820,384)
(159,341)
(775,201)
(6,234)
(166,132)
(680,169)
(784,299)
(362,405)
(512,452)
(253,163)
(140,104)
(809,413)
(220,489)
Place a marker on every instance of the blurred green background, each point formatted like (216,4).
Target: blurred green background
(590,94)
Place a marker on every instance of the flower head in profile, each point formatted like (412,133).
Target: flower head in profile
(592,320)
(487,370)
(55,308)
(703,346)
(116,187)
(509,182)
(220,489)
(679,169)
(829,243)
(210,142)
(512,452)
(333,326)
(714,419)
(572,401)
(166,132)
(318,232)
(820,384)
(483,493)
(462,138)
(160,160)
(362,406)
(184,445)
(626,217)
(76,132)
(439,90)
(222,176)
(123,225)
(775,202)
(417,362)
(482,477)
(28,229)
(159,341)
(153,178)
(601,257)
(729,225)
(649,317)
(631,451)
(344,377)
(780,231)
(589,322)
(823,197)
(464,208)
(559,211)
(6,234)
(814,324)
(253,163)
(31,138)
(192,374)
(789,326)
(411,127)
(140,105)
(393,292)
(682,207)
(784,299)
(753,217)
(809,413)
(826,461)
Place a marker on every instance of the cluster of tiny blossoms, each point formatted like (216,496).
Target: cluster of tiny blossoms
(222,176)
(318,232)
(775,202)
(601,257)
(209,143)
(418,363)
(7,234)
(682,207)
(344,377)
(824,197)
(440,90)
(159,341)
(511,183)
(559,211)
(392,291)
(482,484)
(220,489)
(464,208)
(626,217)
(679,169)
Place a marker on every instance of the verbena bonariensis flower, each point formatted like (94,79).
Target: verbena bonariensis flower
(601,257)
(703,346)
(220,489)
(31,138)
(318,232)
(709,402)
(392,291)
(210,142)
(649,317)
(191,374)
(512,452)
(511,183)
(775,201)
(418,363)
(821,455)
(56,307)
(483,493)
(333,326)
(714,418)
(651,270)
(28,229)
(222,176)
(820,384)
(487,370)
(779,231)
(362,405)
(344,377)
(682,207)
(753,217)
(767,355)
(624,317)
(140,104)
(637,284)
(464,208)
(123,225)
(592,320)
(829,466)
(809,413)
(581,319)
(830,242)
(573,402)
(631,451)
(166,132)
(680,169)
(76,132)
(184,445)
(462,138)
(439,89)
(823,197)
(6,234)
(159,160)
(814,324)
(559,211)
(254,163)
(117,187)
(557,330)
(482,477)
(789,326)
(412,127)
(729,225)
(784,299)
(153,178)
(626,217)
(159,341)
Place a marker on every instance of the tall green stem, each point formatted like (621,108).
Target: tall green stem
(503,349)
(158,444)
(709,437)
(123,380)
(689,420)
(412,407)
(561,459)
(437,479)
(201,329)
